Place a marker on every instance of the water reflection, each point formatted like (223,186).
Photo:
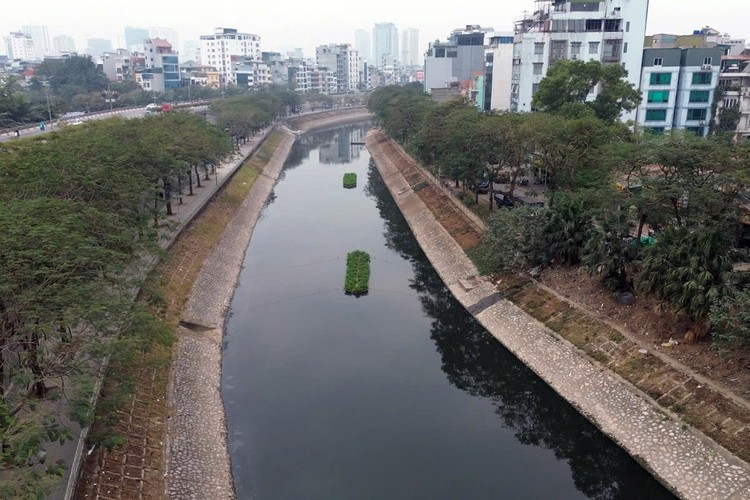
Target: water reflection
(475,362)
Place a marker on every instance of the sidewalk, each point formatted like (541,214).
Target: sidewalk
(73,452)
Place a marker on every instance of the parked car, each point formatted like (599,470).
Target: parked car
(502,200)
(482,186)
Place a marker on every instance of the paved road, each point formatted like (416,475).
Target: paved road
(125,113)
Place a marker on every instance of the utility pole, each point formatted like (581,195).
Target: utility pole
(49,110)
(109,94)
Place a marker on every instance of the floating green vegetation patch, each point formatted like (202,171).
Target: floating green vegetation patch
(350,180)
(357,273)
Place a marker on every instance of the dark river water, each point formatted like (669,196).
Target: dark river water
(396,394)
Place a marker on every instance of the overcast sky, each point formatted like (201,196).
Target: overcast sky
(295,23)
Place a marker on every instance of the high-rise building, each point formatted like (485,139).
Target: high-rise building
(343,60)
(385,45)
(134,38)
(609,31)
(20,46)
(98,46)
(410,47)
(218,49)
(39,34)
(62,44)
(363,44)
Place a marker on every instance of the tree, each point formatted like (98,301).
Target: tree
(567,85)
(688,268)
(513,241)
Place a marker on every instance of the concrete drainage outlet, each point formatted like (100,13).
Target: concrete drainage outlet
(196,327)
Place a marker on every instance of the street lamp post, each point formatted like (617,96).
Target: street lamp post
(49,110)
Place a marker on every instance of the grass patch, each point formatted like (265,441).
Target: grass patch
(350,180)
(357,279)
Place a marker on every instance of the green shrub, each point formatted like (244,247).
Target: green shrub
(357,272)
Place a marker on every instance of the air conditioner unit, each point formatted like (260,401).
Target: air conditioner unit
(706,67)
(574,57)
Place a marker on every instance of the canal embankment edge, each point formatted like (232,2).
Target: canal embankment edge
(198,463)
(683,459)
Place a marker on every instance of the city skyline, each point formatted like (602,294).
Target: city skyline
(308,26)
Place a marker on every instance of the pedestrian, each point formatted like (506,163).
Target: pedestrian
(18,133)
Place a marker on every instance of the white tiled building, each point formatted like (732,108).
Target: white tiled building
(20,46)
(217,50)
(610,31)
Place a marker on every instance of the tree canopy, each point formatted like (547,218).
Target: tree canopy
(567,87)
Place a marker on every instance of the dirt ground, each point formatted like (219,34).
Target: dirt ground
(652,322)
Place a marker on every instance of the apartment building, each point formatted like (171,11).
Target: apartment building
(734,85)
(458,60)
(20,46)
(218,48)
(161,70)
(343,61)
(497,74)
(609,31)
(116,65)
(677,88)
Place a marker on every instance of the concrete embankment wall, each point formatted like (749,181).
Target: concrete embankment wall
(198,461)
(685,461)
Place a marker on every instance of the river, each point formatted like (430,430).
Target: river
(396,394)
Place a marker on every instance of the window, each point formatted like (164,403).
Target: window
(699,96)
(625,48)
(696,130)
(661,78)
(575,48)
(627,26)
(538,48)
(612,25)
(658,61)
(593,24)
(534,87)
(730,102)
(707,60)
(658,96)
(656,115)
(696,113)
(702,78)
(657,130)
(612,51)
(593,47)
(584,6)
(538,68)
